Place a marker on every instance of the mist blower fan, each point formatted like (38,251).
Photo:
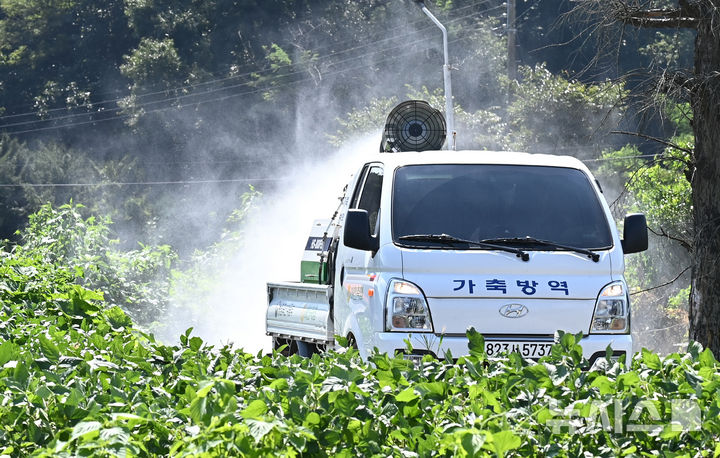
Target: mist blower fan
(413,125)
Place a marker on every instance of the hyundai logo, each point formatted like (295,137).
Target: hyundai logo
(513,311)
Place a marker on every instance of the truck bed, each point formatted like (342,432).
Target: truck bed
(300,311)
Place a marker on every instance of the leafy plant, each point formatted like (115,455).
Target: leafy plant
(136,280)
(556,114)
(77,378)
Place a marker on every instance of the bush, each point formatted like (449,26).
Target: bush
(135,280)
(78,379)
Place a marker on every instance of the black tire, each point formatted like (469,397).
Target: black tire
(352,343)
(305,349)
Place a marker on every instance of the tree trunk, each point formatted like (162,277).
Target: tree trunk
(705,292)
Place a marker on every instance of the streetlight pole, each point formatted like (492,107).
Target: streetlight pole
(449,112)
(511,40)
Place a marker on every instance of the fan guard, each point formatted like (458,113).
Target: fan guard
(413,125)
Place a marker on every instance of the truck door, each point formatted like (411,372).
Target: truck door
(355,266)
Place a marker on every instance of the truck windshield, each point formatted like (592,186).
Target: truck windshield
(484,202)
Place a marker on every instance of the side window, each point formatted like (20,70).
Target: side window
(358,189)
(369,197)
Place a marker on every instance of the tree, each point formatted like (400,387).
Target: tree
(659,278)
(702,88)
(59,54)
(552,114)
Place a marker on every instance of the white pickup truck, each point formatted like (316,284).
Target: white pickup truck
(428,244)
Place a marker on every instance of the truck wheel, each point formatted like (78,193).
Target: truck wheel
(305,349)
(352,343)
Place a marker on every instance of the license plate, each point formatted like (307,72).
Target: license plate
(526,349)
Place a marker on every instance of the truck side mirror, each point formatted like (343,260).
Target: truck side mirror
(635,234)
(357,231)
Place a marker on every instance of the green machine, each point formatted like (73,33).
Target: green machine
(314,264)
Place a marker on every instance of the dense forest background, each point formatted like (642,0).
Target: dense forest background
(172,118)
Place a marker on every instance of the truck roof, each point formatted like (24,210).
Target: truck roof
(477,157)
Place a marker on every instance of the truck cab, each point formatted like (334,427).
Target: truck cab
(429,244)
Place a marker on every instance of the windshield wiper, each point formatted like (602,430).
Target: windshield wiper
(451,240)
(532,241)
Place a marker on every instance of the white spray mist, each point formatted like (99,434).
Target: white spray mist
(274,239)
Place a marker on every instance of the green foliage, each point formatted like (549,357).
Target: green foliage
(664,193)
(660,188)
(670,50)
(153,66)
(44,164)
(280,66)
(551,112)
(78,380)
(484,129)
(154,62)
(679,303)
(61,46)
(135,280)
(366,119)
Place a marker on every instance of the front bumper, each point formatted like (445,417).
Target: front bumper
(593,345)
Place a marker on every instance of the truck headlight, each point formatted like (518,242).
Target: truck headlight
(406,308)
(612,311)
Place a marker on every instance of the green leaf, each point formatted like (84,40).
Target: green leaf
(537,372)
(74,398)
(258,429)
(130,417)
(603,384)
(342,341)
(256,409)
(472,443)
(198,409)
(558,373)
(299,442)
(433,390)
(651,360)
(118,318)
(280,384)
(406,395)
(8,352)
(707,359)
(695,348)
(204,388)
(86,428)
(115,435)
(102,365)
(49,349)
(476,343)
(345,403)
(503,442)
(195,343)
(43,392)
(329,437)
(670,432)
(629,450)
(312,419)
(628,379)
